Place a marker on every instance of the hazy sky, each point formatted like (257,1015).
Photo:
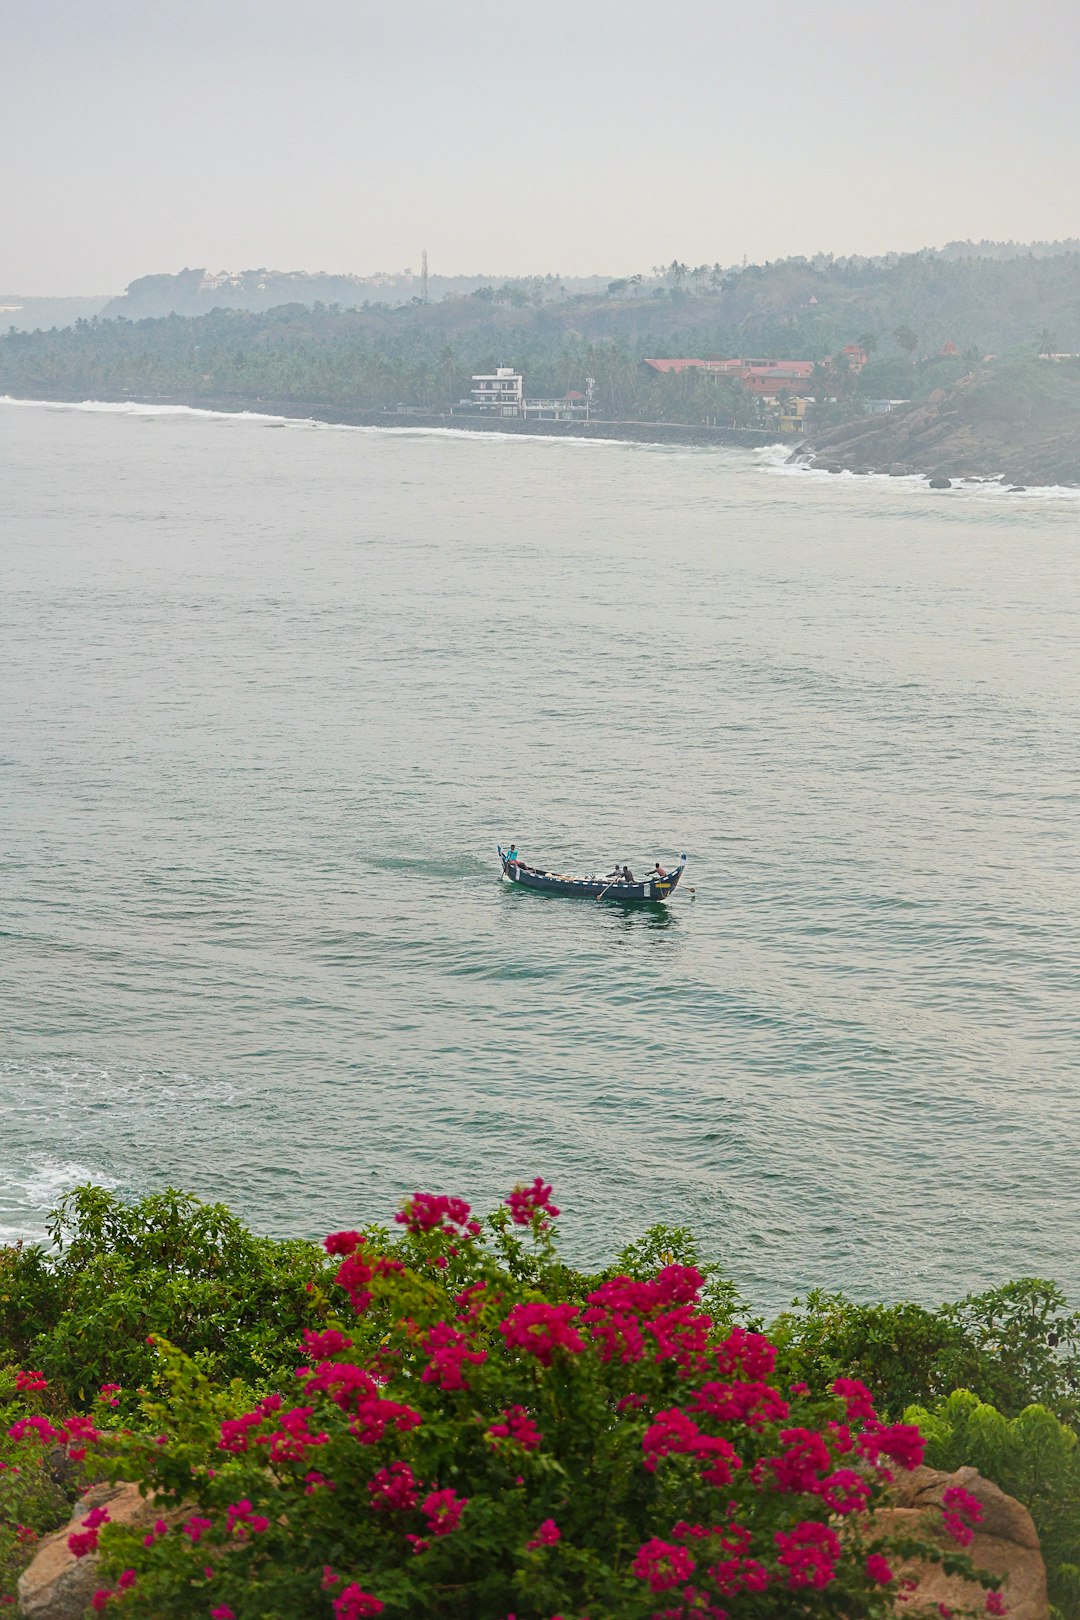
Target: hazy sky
(572,135)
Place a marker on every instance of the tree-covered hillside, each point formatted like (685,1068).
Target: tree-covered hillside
(904,312)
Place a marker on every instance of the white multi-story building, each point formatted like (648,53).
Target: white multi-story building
(502,392)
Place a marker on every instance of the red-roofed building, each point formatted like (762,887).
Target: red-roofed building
(763,377)
(673,366)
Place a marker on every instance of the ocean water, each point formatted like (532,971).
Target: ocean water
(270,694)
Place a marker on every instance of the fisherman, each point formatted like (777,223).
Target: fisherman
(627,875)
(658,871)
(512,856)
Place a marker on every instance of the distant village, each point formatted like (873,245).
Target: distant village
(779,388)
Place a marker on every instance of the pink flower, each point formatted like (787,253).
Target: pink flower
(753,1404)
(393,1488)
(541,1329)
(856,1398)
(902,1442)
(450,1352)
(158,1529)
(342,1242)
(434,1212)
(956,1499)
(37,1425)
(672,1285)
(525,1202)
(26,1381)
(443,1510)
(354,1604)
(196,1528)
(844,1492)
(329,1579)
(804,1458)
(320,1346)
(748,1354)
(417,1543)
(353,1275)
(471,1300)
(100,1598)
(547,1535)
(662,1563)
(240,1518)
(376,1416)
(222,1612)
(995,1603)
(517,1426)
(127,1580)
(877,1570)
(738,1574)
(809,1553)
(84,1541)
(673,1431)
(293,1439)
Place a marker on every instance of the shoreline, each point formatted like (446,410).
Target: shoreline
(803,455)
(621,432)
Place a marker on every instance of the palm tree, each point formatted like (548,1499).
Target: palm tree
(447,366)
(907,339)
(1047,341)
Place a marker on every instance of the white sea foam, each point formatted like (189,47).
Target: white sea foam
(33,1189)
(775,459)
(131,407)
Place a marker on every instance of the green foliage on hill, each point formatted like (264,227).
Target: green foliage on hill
(380,356)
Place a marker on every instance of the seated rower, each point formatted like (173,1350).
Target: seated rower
(512,856)
(627,875)
(658,871)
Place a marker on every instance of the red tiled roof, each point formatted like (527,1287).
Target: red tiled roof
(672,365)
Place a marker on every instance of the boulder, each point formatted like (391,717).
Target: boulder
(940,483)
(1006,1543)
(58,1586)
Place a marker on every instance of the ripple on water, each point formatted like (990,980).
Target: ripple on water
(270,712)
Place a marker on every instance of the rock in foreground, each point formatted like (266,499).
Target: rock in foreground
(1006,1543)
(58,1586)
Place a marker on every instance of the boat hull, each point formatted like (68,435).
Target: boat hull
(655,891)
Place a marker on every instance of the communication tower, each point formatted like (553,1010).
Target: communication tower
(423,276)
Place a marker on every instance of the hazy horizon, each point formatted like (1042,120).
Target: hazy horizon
(591,141)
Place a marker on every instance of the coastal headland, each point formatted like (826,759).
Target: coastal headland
(1018,422)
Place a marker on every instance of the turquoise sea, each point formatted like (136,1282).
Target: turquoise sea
(270,694)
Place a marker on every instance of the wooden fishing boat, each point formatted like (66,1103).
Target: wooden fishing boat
(651,889)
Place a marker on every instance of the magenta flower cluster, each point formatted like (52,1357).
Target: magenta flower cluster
(468,1399)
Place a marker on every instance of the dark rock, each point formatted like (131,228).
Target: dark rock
(941,483)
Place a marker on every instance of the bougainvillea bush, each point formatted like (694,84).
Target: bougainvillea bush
(459,1440)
